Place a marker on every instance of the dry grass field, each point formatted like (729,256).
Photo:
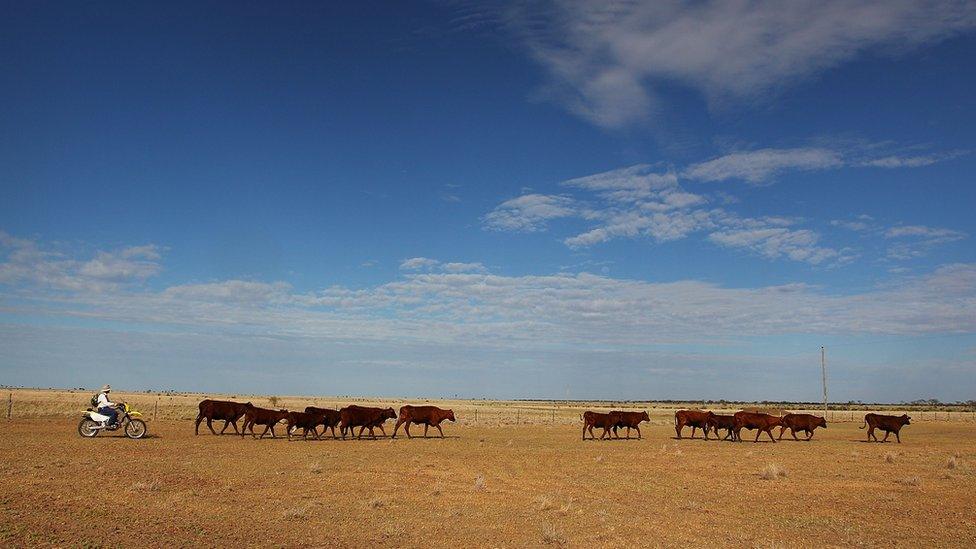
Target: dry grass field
(488,484)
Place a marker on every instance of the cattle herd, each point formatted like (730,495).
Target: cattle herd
(364,417)
(347,419)
(733,424)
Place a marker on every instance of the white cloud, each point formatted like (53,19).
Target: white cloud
(480,309)
(418,263)
(857,226)
(529,212)
(464,267)
(607,62)
(895,161)
(918,240)
(759,165)
(776,242)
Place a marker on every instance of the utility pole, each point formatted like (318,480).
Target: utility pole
(823,371)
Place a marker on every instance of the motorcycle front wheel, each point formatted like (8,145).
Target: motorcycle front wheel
(88,427)
(135,428)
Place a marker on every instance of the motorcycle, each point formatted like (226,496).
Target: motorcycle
(93,422)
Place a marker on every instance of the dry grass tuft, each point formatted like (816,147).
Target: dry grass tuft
(773,472)
(479,483)
(151,486)
(910,481)
(598,459)
(952,463)
(296,512)
(889,458)
(551,536)
(376,503)
(544,503)
(315,468)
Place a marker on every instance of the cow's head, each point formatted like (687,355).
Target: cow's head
(906,419)
(645,417)
(822,423)
(389,414)
(450,415)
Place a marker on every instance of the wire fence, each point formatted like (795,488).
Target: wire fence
(27,404)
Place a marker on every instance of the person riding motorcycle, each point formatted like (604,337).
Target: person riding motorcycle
(106,407)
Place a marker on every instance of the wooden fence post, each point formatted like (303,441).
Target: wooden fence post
(155,407)
(518,415)
(10,405)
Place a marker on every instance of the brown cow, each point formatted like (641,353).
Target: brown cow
(629,420)
(225,410)
(718,421)
(695,418)
(426,415)
(262,416)
(888,424)
(364,417)
(330,418)
(801,422)
(758,421)
(304,420)
(596,419)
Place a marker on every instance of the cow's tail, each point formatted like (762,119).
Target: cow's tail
(865,424)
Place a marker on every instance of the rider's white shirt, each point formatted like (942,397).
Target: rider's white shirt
(104,402)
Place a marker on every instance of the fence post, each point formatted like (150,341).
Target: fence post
(155,406)
(10,405)
(518,415)
(476,415)
(553,416)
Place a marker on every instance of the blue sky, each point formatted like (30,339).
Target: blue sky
(513,199)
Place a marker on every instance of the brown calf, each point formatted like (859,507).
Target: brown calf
(330,418)
(426,415)
(629,420)
(718,421)
(596,419)
(304,420)
(364,417)
(801,422)
(694,418)
(888,424)
(225,410)
(262,416)
(758,421)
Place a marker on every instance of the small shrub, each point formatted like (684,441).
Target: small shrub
(551,536)
(376,503)
(598,459)
(889,458)
(151,486)
(773,472)
(952,463)
(479,483)
(273,400)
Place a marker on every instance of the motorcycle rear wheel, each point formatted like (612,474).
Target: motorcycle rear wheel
(87,427)
(135,428)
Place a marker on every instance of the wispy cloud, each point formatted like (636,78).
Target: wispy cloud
(529,212)
(760,165)
(427,264)
(914,241)
(608,62)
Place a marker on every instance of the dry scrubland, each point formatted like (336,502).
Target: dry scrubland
(488,484)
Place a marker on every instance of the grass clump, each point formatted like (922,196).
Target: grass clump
(552,536)
(773,472)
(479,483)
(296,512)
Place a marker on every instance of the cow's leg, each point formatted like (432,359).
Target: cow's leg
(871,434)
(406,429)
(693,427)
(210,425)
(758,432)
(266,428)
(584,431)
(361,429)
(638,432)
(372,433)
(885,439)
(397,427)
(381,429)
(897,437)
(677,428)
(439,429)
(770,433)
(196,428)
(226,423)
(426,426)
(793,432)
(809,434)
(705,430)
